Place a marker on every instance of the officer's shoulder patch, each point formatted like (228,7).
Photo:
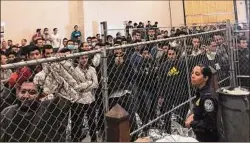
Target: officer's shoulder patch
(209,105)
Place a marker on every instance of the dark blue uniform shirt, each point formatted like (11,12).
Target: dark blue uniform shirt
(205,115)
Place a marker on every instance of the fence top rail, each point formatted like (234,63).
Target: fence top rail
(75,55)
(241,22)
(50,59)
(167,27)
(240,31)
(137,28)
(163,40)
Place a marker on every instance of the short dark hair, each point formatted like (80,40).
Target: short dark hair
(136,31)
(166,43)
(64,50)
(89,38)
(118,43)
(144,49)
(45,29)
(33,48)
(118,38)
(47,47)
(109,36)
(81,45)
(70,41)
(54,29)
(178,33)
(38,87)
(100,44)
(81,50)
(211,40)
(3,54)
(65,39)
(118,33)
(124,38)
(10,41)
(38,30)
(151,28)
(25,40)
(38,40)
(93,37)
(14,46)
(137,41)
(241,39)
(219,34)
(75,26)
(11,53)
(196,37)
(174,49)
(16,60)
(25,50)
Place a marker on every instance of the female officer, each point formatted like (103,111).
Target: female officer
(204,117)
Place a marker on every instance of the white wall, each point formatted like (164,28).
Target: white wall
(22,18)
(177,12)
(116,12)
(241,10)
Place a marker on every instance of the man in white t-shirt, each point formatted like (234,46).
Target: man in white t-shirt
(56,40)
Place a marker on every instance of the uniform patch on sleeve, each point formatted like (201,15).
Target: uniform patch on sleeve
(209,105)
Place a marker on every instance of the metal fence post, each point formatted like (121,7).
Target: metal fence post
(236,59)
(188,74)
(231,54)
(104,76)
(105,87)
(104,31)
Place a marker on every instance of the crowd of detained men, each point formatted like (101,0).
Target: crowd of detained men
(36,99)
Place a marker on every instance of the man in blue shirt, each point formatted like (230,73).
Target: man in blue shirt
(75,34)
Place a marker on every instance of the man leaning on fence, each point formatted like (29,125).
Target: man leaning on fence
(33,120)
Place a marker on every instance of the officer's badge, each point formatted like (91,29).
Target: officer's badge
(209,105)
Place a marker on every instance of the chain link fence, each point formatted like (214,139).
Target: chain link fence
(241,53)
(65,97)
(130,35)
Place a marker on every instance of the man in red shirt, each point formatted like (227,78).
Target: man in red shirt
(27,72)
(37,35)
